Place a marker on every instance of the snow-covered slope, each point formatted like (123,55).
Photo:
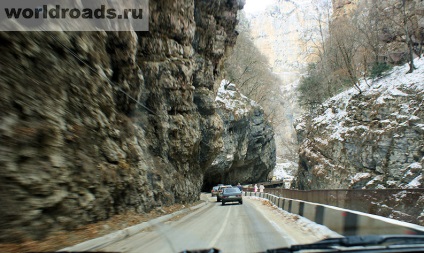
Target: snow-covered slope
(368,140)
(379,133)
(384,90)
(230,99)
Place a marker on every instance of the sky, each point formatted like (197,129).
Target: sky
(256,6)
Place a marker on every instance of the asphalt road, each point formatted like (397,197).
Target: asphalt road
(230,228)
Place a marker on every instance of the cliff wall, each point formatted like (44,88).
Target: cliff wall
(248,154)
(373,140)
(97,123)
(369,140)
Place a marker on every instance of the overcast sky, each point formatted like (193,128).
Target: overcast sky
(255,6)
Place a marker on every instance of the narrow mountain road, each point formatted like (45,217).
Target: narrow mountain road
(230,228)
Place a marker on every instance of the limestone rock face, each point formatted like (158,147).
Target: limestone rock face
(248,153)
(97,123)
(378,132)
(373,140)
(281,32)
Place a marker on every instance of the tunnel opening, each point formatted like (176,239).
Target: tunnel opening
(238,173)
(211,180)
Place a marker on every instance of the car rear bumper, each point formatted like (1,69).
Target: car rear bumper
(231,199)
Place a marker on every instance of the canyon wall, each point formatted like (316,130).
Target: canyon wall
(98,123)
(248,153)
(373,140)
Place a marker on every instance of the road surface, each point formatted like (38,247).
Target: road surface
(230,228)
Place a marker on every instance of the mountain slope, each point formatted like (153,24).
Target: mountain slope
(369,140)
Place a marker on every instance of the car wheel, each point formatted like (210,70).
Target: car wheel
(217,199)
(241,202)
(223,203)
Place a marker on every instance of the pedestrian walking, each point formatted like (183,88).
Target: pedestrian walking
(240,187)
(256,188)
(261,188)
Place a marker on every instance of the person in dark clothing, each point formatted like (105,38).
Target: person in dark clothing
(240,187)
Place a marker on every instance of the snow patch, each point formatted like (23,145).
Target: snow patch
(415,165)
(359,177)
(334,118)
(231,99)
(396,92)
(322,141)
(382,99)
(415,183)
(376,179)
(283,171)
(300,126)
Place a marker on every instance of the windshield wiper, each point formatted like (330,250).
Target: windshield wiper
(212,250)
(354,241)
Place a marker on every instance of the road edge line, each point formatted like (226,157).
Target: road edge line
(114,237)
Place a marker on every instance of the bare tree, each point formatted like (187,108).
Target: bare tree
(250,71)
(400,19)
(367,21)
(320,80)
(347,44)
(406,16)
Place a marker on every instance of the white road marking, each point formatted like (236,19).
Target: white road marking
(215,239)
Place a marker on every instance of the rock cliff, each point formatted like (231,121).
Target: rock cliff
(373,140)
(97,123)
(282,32)
(248,153)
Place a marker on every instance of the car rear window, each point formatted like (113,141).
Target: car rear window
(231,190)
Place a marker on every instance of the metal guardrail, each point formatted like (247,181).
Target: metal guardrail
(341,220)
(400,204)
